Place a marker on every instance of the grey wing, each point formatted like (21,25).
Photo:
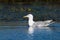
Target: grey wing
(41,23)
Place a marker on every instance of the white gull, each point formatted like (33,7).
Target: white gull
(39,24)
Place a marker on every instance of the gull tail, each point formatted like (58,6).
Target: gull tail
(48,21)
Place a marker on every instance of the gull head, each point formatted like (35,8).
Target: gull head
(28,16)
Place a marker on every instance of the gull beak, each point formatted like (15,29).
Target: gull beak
(24,16)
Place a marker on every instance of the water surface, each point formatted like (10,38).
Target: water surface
(21,33)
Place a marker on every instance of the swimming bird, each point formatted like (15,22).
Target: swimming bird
(39,24)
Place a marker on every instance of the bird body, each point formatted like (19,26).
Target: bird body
(38,23)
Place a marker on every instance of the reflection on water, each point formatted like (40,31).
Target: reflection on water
(21,33)
(32,29)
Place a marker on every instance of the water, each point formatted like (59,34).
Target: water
(21,33)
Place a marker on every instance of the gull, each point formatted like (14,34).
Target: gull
(38,24)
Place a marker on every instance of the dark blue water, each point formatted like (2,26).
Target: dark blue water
(21,33)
